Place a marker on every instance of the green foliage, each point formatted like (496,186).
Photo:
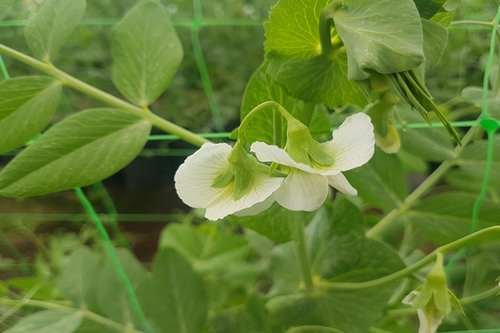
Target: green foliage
(440,220)
(174,296)
(428,8)
(293,49)
(471,164)
(430,144)
(246,275)
(338,251)
(107,141)
(47,322)
(271,128)
(27,105)
(317,79)
(47,31)
(435,42)
(146,53)
(382,36)
(382,182)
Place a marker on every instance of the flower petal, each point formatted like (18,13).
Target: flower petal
(353,143)
(270,153)
(341,183)
(258,208)
(224,205)
(302,191)
(195,177)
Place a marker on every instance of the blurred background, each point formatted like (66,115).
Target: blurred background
(205,97)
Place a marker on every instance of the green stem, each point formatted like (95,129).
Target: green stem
(104,97)
(415,196)
(481,296)
(325,30)
(485,234)
(300,241)
(473,22)
(63,308)
(115,261)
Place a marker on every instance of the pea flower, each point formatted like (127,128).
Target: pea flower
(225,180)
(313,166)
(433,300)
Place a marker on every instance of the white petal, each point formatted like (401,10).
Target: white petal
(341,183)
(258,208)
(428,324)
(194,178)
(353,143)
(302,191)
(225,204)
(270,153)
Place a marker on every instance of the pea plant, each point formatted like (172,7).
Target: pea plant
(309,225)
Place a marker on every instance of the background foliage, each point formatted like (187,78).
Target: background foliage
(48,251)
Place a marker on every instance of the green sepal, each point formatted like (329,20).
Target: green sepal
(224,179)
(244,169)
(302,147)
(434,296)
(413,90)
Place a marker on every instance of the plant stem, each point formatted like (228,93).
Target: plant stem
(485,234)
(473,22)
(481,296)
(63,308)
(415,196)
(325,36)
(300,241)
(104,97)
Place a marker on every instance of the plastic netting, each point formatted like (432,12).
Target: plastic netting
(488,123)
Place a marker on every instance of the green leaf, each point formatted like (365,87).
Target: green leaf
(293,50)
(47,31)
(271,127)
(445,217)
(435,43)
(73,282)
(81,150)
(430,144)
(384,36)
(112,298)
(474,95)
(146,51)
(471,165)
(428,8)
(338,251)
(382,182)
(317,80)
(174,296)
(49,321)
(272,223)
(5,6)
(27,105)
(217,253)
(293,28)
(252,317)
(208,248)
(104,293)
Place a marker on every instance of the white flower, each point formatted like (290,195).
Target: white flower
(307,185)
(428,324)
(195,179)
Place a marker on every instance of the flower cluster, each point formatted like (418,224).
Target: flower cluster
(227,180)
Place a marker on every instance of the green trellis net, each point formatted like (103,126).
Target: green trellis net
(488,123)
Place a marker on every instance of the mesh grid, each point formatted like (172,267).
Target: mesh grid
(112,216)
